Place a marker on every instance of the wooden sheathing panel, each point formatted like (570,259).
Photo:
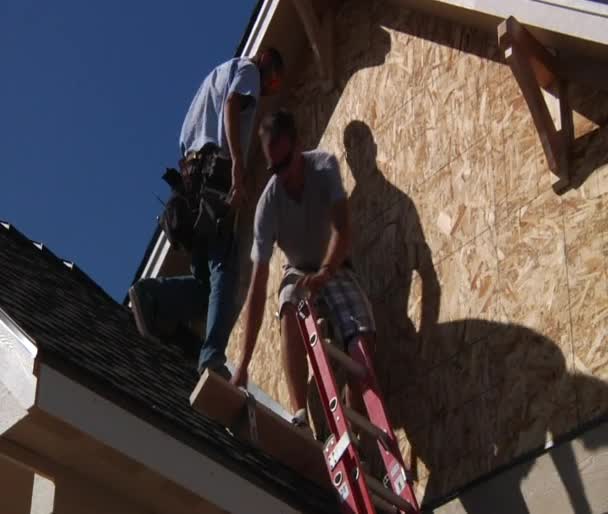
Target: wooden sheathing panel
(459,235)
(586,233)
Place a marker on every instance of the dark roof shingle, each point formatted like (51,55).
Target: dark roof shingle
(75,322)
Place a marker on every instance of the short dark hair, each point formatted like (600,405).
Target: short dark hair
(272,58)
(279,123)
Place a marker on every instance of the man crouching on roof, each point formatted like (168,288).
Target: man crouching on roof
(304,210)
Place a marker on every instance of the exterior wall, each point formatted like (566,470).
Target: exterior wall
(490,291)
(570,479)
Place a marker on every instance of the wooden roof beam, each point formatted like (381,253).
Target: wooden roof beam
(219,400)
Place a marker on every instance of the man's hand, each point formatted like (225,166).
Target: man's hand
(237,193)
(240,377)
(314,282)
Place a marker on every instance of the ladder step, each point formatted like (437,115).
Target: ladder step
(344,360)
(365,424)
(383,505)
(387,495)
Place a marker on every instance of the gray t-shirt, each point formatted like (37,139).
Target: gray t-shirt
(301,229)
(204,122)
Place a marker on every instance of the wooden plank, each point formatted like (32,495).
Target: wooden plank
(219,400)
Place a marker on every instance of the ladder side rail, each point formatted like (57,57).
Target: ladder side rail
(376,410)
(343,465)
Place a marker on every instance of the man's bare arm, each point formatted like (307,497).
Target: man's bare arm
(341,237)
(232,122)
(253,316)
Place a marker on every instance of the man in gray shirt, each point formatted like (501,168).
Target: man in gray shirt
(216,131)
(304,210)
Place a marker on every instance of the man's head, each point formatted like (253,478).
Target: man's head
(270,64)
(361,149)
(279,137)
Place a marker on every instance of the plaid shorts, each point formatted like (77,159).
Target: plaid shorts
(342,301)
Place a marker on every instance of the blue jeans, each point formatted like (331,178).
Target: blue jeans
(212,284)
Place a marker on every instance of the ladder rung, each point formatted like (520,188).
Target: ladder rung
(387,495)
(365,424)
(383,505)
(344,360)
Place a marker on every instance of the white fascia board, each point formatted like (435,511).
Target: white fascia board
(17,355)
(157,257)
(258,31)
(582,19)
(142,442)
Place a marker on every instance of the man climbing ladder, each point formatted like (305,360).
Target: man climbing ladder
(304,210)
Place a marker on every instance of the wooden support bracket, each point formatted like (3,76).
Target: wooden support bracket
(536,68)
(320,37)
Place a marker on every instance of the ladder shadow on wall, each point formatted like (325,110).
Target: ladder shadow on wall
(469,397)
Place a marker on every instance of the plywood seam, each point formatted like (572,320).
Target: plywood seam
(452,253)
(570,320)
(451,161)
(424,89)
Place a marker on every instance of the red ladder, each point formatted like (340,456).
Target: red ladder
(352,485)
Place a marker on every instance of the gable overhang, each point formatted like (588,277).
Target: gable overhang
(17,380)
(76,428)
(581,19)
(577,27)
(50,420)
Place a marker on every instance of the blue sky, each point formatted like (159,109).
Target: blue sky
(92,96)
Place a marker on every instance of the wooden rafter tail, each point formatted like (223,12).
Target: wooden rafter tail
(534,67)
(544,64)
(536,104)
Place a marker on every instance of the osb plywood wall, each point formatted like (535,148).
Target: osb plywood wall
(490,291)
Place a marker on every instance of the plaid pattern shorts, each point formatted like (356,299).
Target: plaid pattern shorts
(342,301)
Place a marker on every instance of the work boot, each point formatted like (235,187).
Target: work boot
(222,370)
(143,305)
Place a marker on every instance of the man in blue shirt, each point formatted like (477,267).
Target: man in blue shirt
(216,130)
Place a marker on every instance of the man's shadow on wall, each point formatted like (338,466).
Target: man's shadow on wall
(471,390)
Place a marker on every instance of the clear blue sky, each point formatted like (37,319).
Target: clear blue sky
(92,96)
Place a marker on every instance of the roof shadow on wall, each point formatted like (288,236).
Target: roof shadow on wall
(471,395)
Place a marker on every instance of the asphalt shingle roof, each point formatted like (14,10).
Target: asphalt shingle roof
(75,321)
